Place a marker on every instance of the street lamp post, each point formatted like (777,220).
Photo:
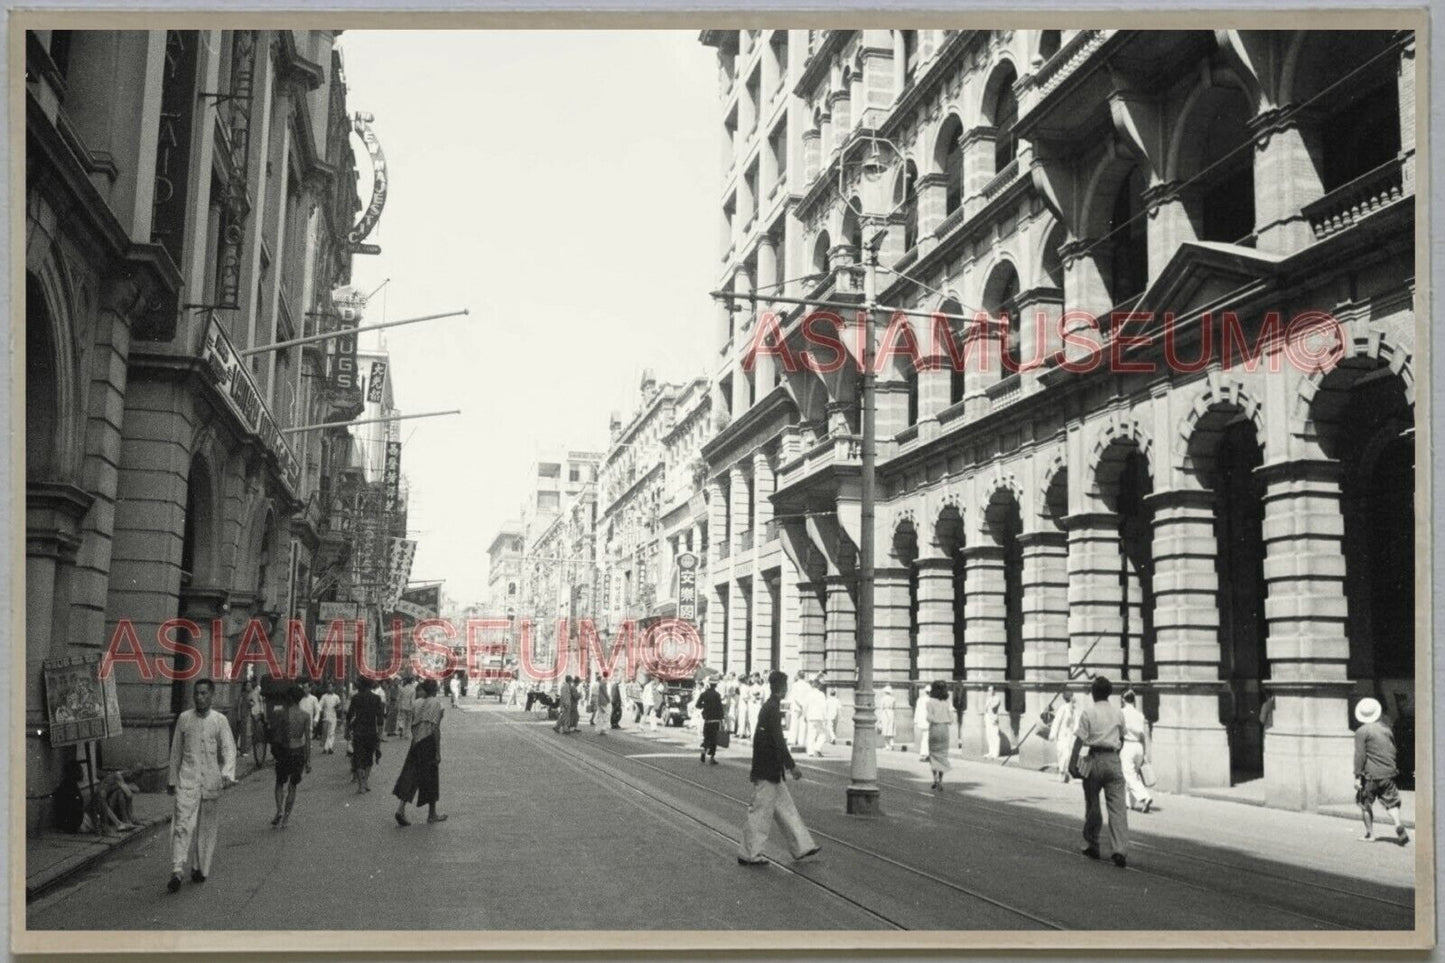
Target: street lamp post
(863,792)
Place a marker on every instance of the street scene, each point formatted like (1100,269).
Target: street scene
(724,480)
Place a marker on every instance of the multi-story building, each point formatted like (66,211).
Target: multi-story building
(188,199)
(504,570)
(650,509)
(559,577)
(1206,513)
(683,517)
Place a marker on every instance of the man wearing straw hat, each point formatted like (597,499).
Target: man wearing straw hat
(1375,770)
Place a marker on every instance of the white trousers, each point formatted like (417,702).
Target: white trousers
(817,735)
(771,803)
(990,737)
(194,824)
(1131,757)
(921,734)
(328,727)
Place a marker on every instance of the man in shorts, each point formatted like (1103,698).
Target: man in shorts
(291,735)
(1375,770)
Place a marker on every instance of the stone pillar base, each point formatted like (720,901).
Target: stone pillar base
(1309,754)
(1190,756)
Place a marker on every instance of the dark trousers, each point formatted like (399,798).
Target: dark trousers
(710,729)
(617,714)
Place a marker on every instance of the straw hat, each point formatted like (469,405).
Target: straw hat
(1367,710)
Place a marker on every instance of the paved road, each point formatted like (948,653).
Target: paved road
(628,831)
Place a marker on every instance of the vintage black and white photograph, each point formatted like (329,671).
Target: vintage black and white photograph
(490,483)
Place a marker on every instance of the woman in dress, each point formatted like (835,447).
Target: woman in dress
(887,704)
(940,718)
(421,773)
(920,725)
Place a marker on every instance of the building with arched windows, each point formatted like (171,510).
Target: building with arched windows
(188,200)
(1186,461)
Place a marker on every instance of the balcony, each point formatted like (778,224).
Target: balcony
(1061,65)
(1347,205)
(832,451)
(721,549)
(1005,392)
(1000,181)
(745,540)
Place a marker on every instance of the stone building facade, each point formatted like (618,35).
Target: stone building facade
(1205,513)
(650,505)
(188,198)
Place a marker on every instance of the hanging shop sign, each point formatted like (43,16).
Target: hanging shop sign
(230,376)
(687,587)
(391,477)
(80,705)
(403,550)
(238,205)
(377,382)
(420,603)
(361,123)
(350,309)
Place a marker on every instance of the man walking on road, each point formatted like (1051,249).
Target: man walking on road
(615,693)
(601,699)
(203,763)
(291,732)
(1375,770)
(405,705)
(329,705)
(1101,731)
(710,704)
(771,800)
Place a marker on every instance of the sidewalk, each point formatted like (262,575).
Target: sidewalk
(53,857)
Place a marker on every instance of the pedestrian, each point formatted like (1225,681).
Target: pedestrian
(291,746)
(615,696)
(393,697)
(328,705)
(1066,720)
(1375,770)
(710,704)
(659,704)
(1136,751)
(756,694)
(312,707)
(832,706)
(815,711)
(203,763)
(634,700)
(405,705)
(564,705)
(887,704)
(939,713)
(365,716)
(386,709)
(601,701)
(992,738)
(256,702)
(797,702)
(1101,732)
(574,715)
(920,725)
(420,775)
(771,800)
(452,686)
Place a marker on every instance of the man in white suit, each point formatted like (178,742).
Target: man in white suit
(203,763)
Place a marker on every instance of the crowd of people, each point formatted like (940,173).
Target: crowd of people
(1107,747)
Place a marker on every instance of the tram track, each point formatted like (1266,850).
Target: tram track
(643,789)
(960,821)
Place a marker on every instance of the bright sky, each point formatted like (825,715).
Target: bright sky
(562,185)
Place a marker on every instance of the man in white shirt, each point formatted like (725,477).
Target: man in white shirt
(815,711)
(327,708)
(405,704)
(203,763)
(1101,731)
(1066,719)
(798,699)
(1135,752)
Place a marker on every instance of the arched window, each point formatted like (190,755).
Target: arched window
(1128,240)
(1000,299)
(956,383)
(910,56)
(42,399)
(1003,113)
(853,228)
(1226,200)
(820,254)
(948,158)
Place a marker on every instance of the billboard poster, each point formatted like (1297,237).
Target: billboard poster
(79,705)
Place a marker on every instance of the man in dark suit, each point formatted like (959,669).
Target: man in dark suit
(771,799)
(710,704)
(615,691)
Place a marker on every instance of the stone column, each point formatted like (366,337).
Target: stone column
(1308,751)
(977,144)
(1287,176)
(932,208)
(890,626)
(981,353)
(984,614)
(738,512)
(719,533)
(1039,313)
(1045,586)
(811,630)
(715,629)
(1406,83)
(935,381)
(935,618)
(1191,747)
(840,628)
(1169,223)
(839,106)
(738,614)
(764,484)
(1095,594)
(1084,284)
(812,154)
(761,618)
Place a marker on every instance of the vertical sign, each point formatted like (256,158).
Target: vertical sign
(687,587)
(391,477)
(376,382)
(238,206)
(350,307)
(173,141)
